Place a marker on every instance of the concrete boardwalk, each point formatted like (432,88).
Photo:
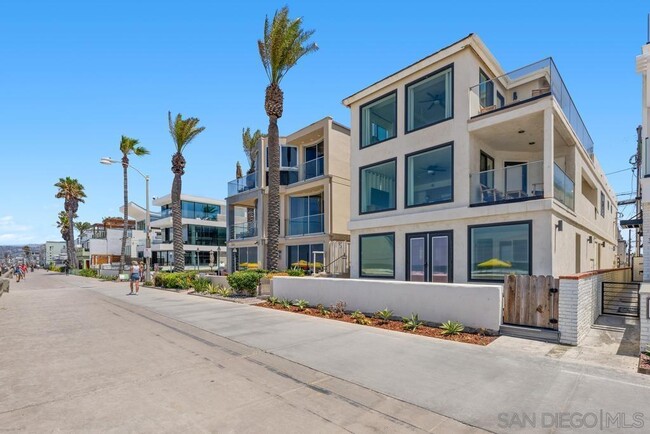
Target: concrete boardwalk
(78,354)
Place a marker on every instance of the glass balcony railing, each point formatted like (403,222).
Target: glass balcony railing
(513,183)
(524,84)
(563,188)
(311,169)
(243,230)
(245,183)
(305,225)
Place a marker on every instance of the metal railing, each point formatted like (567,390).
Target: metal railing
(513,183)
(243,230)
(311,169)
(563,187)
(245,183)
(305,225)
(524,84)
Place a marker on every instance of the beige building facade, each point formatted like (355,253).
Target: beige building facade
(463,172)
(314,201)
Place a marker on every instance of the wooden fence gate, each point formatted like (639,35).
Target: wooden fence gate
(531,301)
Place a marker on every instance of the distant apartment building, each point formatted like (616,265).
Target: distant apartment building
(204,232)
(102,244)
(462,171)
(314,201)
(55,252)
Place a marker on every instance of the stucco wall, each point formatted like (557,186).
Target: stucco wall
(476,306)
(644,316)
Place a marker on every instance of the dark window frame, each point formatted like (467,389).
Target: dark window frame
(386,95)
(406,168)
(427,236)
(367,166)
(415,82)
(488,83)
(483,225)
(379,234)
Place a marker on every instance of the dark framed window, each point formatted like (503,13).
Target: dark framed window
(486,89)
(430,99)
(302,256)
(378,187)
(486,168)
(602,204)
(377,255)
(495,250)
(430,176)
(379,120)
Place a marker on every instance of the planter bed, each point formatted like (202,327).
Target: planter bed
(164,289)
(395,325)
(241,299)
(644,364)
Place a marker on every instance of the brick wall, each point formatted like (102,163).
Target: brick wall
(644,324)
(580,302)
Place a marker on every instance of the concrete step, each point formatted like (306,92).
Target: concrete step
(543,335)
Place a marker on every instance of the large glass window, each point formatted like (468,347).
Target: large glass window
(486,89)
(497,250)
(379,120)
(377,255)
(302,256)
(429,176)
(204,235)
(305,215)
(245,257)
(378,188)
(429,100)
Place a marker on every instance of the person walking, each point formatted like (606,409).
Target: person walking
(135,277)
(142,272)
(18,272)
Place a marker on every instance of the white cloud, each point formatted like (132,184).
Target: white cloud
(14,233)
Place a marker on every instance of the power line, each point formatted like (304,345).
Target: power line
(619,171)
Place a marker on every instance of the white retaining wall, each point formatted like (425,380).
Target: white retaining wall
(644,316)
(474,305)
(580,302)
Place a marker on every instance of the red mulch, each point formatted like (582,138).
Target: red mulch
(434,332)
(644,364)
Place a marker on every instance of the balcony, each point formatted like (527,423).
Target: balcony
(242,231)
(510,184)
(534,81)
(240,185)
(305,225)
(311,169)
(563,188)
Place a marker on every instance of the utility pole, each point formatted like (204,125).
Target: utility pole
(637,202)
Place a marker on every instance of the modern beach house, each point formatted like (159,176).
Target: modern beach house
(461,171)
(314,201)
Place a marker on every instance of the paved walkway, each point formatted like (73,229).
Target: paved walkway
(486,387)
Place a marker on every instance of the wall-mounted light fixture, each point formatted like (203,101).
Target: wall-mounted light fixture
(603,243)
(590,239)
(559,225)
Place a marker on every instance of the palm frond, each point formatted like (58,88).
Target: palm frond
(183,131)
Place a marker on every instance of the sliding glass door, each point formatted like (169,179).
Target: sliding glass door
(429,257)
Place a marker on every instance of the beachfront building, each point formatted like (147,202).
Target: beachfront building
(314,202)
(204,233)
(461,171)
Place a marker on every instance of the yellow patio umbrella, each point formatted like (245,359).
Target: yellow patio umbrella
(300,264)
(494,263)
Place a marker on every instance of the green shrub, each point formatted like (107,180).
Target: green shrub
(338,310)
(286,303)
(107,277)
(384,315)
(245,281)
(182,280)
(647,351)
(273,300)
(301,304)
(359,318)
(451,328)
(201,284)
(296,272)
(222,291)
(411,323)
(323,310)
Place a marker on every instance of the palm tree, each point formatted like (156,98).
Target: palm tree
(27,251)
(183,131)
(284,43)
(82,227)
(72,192)
(249,143)
(128,146)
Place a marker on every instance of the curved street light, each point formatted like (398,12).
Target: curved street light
(147,221)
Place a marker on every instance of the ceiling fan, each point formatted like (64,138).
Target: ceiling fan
(433,99)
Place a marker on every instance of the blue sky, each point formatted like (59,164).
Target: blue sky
(76,75)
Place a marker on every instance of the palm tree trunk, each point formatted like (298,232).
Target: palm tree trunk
(72,254)
(177,222)
(273,208)
(125,165)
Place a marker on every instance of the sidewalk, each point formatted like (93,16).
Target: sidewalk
(472,384)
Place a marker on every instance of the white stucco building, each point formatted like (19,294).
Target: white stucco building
(461,171)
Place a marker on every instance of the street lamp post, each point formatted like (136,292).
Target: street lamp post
(147,219)
(197,259)
(219,260)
